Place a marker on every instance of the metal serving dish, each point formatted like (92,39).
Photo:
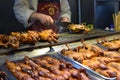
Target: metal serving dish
(53,55)
(101,77)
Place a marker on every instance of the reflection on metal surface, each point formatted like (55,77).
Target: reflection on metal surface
(20,55)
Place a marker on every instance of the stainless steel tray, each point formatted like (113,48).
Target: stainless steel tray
(87,68)
(53,55)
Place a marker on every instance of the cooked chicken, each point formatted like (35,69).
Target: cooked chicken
(15,39)
(115,65)
(78,28)
(93,64)
(112,54)
(4,40)
(45,68)
(73,55)
(108,72)
(48,35)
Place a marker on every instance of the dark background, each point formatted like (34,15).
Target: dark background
(8,21)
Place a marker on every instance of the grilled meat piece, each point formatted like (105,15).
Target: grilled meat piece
(109,72)
(14,42)
(4,39)
(77,28)
(73,55)
(112,54)
(15,39)
(41,68)
(112,45)
(48,35)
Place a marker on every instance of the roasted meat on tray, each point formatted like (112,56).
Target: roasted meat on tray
(104,62)
(78,28)
(111,45)
(15,39)
(45,68)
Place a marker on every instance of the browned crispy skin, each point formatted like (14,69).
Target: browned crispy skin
(73,55)
(15,39)
(112,54)
(14,42)
(108,72)
(16,34)
(45,68)
(115,65)
(48,35)
(93,64)
(112,45)
(102,61)
(78,28)
(4,40)
(16,70)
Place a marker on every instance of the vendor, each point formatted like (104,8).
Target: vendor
(41,14)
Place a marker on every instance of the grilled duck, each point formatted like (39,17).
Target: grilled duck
(45,68)
(15,39)
(112,54)
(108,72)
(4,40)
(73,54)
(111,45)
(89,51)
(78,28)
(48,35)
(93,64)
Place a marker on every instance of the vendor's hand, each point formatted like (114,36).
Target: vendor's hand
(44,19)
(64,19)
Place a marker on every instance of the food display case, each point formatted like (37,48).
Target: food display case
(30,54)
(42,48)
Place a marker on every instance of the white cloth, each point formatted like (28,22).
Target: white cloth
(24,8)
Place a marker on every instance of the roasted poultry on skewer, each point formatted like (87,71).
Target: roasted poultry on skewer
(45,68)
(48,35)
(30,37)
(4,40)
(15,39)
